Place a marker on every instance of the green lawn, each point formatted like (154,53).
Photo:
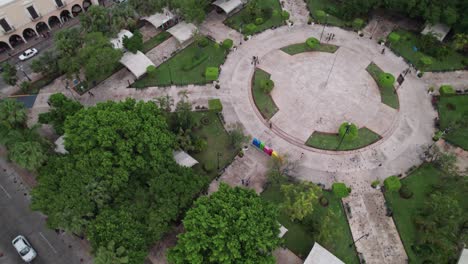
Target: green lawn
(388,96)
(330,141)
(330,7)
(263,101)
(404,210)
(408,40)
(218,142)
(302,47)
(453,113)
(238,23)
(300,238)
(155,41)
(186,67)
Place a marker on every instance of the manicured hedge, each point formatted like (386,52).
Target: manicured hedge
(446,90)
(312,42)
(352,131)
(393,37)
(215,105)
(358,23)
(150,70)
(392,184)
(267,85)
(340,190)
(250,28)
(212,73)
(386,80)
(228,43)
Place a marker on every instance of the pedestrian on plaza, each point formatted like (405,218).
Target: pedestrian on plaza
(258,62)
(242,182)
(383,51)
(271,125)
(90,93)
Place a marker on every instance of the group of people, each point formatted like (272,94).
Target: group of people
(255,61)
(330,36)
(245,182)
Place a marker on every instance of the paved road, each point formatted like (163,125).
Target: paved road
(16,218)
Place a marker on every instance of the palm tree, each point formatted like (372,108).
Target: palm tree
(28,154)
(12,114)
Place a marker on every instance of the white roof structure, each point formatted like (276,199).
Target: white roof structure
(283,231)
(183,159)
(183,31)
(118,41)
(158,19)
(60,145)
(439,30)
(136,63)
(228,5)
(463,257)
(319,255)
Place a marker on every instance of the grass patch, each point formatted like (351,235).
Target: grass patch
(155,41)
(263,101)
(330,141)
(218,142)
(175,71)
(408,40)
(302,47)
(420,182)
(300,237)
(330,7)
(388,95)
(237,21)
(453,113)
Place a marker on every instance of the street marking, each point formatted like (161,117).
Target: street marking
(7,194)
(48,243)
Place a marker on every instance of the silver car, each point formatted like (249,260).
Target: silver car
(24,248)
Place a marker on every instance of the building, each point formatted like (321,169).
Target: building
(24,20)
(319,255)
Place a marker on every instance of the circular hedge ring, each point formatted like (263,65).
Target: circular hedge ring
(205,121)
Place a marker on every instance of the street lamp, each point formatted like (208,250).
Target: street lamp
(323,29)
(20,68)
(348,126)
(365,235)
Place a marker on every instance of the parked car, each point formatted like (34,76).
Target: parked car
(27,54)
(24,248)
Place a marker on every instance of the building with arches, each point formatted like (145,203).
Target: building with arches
(24,20)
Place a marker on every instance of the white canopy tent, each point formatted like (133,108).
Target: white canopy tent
(228,5)
(438,30)
(136,63)
(283,231)
(319,255)
(184,159)
(183,31)
(60,145)
(118,41)
(158,19)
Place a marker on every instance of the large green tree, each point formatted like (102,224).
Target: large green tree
(300,199)
(46,64)
(233,225)
(12,114)
(61,108)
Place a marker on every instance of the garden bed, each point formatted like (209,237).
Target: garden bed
(302,47)
(404,47)
(453,114)
(300,237)
(239,20)
(263,101)
(181,69)
(330,141)
(388,95)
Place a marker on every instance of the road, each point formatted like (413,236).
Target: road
(16,218)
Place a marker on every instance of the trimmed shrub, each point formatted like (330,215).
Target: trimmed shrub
(211,73)
(392,184)
(227,44)
(312,42)
(405,192)
(151,70)
(393,37)
(320,15)
(258,21)
(358,23)
(267,85)
(250,29)
(375,183)
(275,13)
(285,15)
(216,45)
(215,105)
(352,131)
(267,12)
(446,90)
(323,201)
(203,42)
(425,61)
(386,80)
(340,190)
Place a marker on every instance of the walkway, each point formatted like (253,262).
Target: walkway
(214,27)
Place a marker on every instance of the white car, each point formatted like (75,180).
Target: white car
(24,249)
(27,54)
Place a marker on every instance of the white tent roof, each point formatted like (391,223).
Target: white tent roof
(228,5)
(283,231)
(59,145)
(183,159)
(463,257)
(158,19)
(118,41)
(319,255)
(439,30)
(183,31)
(136,63)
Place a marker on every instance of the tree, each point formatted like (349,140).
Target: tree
(165,103)
(392,184)
(267,85)
(110,254)
(425,62)
(348,131)
(29,154)
(98,56)
(393,37)
(46,64)
(183,115)
(460,42)
(358,23)
(61,108)
(320,15)
(96,19)
(193,10)
(233,225)
(68,42)
(123,16)
(12,114)
(135,43)
(300,199)
(9,74)
(149,7)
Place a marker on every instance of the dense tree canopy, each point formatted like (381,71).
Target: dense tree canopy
(120,157)
(300,199)
(61,107)
(233,225)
